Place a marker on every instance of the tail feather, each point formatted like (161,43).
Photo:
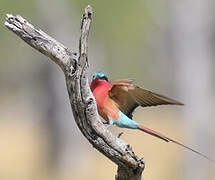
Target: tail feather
(161,136)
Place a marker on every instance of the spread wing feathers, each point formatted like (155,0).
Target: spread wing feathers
(129,96)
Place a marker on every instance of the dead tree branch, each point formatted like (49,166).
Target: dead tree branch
(82,101)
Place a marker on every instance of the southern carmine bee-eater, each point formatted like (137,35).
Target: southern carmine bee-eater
(116,101)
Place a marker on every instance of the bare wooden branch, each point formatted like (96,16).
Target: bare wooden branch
(40,41)
(82,101)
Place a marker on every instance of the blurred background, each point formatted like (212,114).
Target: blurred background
(166,45)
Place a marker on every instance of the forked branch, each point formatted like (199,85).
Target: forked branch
(82,101)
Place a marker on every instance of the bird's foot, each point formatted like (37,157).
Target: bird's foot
(105,122)
(120,134)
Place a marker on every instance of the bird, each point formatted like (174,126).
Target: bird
(117,99)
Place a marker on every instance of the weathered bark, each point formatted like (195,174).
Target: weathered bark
(82,101)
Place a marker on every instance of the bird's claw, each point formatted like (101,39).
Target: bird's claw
(105,122)
(120,134)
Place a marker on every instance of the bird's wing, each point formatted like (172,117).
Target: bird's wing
(129,96)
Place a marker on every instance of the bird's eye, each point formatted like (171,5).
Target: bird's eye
(104,77)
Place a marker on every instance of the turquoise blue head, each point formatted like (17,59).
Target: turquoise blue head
(100,75)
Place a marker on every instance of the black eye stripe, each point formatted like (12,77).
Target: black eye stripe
(104,77)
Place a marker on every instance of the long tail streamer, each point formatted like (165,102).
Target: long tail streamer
(161,136)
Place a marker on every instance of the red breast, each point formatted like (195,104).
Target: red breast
(100,90)
(106,106)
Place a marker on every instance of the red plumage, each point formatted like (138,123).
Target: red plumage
(107,108)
